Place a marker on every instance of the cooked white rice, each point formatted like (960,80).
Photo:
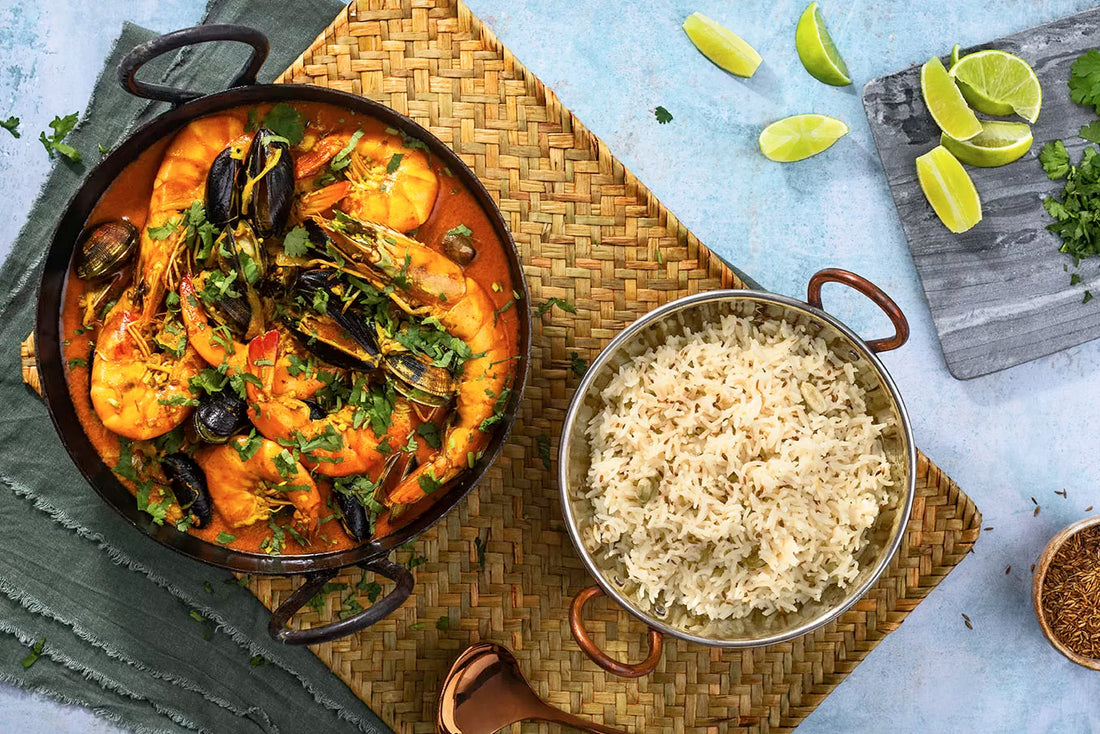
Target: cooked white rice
(735,469)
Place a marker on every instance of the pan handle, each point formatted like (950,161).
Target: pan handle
(146,52)
(599,657)
(872,291)
(375,612)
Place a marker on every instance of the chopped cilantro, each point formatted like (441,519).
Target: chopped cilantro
(395,162)
(551,302)
(543,442)
(428,482)
(443,624)
(461,229)
(164,231)
(430,433)
(578,364)
(285,121)
(158,509)
(1090,132)
(35,653)
(342,160)
(663,116)
(481,546)
(1074,279)
(286,464)
(416,561)
(1087,298)
(226,538)
(258,660)
(61,127)
(317,603)
(372,589)
(247,449)
(125,466)
(350,607)
(407,140)
(11,125)
(77,362)
(296,243)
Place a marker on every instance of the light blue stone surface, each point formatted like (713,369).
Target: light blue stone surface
(1005,438)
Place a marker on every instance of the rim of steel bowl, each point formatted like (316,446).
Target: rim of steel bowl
(608,352)
(48,336)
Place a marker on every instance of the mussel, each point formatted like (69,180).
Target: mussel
(105,249)
(322,336)
(232,309)
(353,516)
(223,187)
(459,248)
(189,485)
(419,380)
(219,416)
(268,188)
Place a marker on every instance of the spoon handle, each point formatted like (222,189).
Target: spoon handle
(557,716)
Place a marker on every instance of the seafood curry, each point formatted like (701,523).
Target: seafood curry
(287,327)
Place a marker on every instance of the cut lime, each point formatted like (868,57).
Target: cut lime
(800,136)
(998,144)
(998,83)
(721,45)
(816,49)
(954,55)
(945,102)
(949,189)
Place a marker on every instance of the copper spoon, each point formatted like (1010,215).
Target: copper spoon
(485,691)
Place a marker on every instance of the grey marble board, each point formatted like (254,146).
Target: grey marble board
(1000,293)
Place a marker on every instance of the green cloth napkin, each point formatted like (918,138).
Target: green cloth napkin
(136,632)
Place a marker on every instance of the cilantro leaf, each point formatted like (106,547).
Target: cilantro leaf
(543,442)
(225,538)
(164,231)
(286,122)
(663,116)
(461,229)
(395,162)
(11,125)
(61,127)
(430,433)
(342,160)
(554,301)
(296,243)
(1090,132)
(578,364)
(443,624)
(1055,160)
(36,652)
(1084,80)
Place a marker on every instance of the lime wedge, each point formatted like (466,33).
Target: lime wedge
(800,136)
(998,83)
(954,55)
(998,144)
(949,189)
(816,49)
(721,45)
(945,102)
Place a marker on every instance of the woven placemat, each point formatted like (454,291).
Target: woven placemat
(500,567)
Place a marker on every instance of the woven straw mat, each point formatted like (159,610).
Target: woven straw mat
(588,233)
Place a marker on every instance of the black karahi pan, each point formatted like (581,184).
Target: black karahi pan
(187,106)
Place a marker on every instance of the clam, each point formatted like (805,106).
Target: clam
(105,249)
(219,416)
(419,380)
(189,486)
(459,248)
(223,182)
(106,291)
(268,188)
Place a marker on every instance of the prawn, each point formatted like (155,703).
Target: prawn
(386,181)
(434,286)
(217,347)
(345,443)
(136,391)
(250,490)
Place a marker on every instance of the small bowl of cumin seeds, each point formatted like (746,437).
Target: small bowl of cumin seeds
(1066,590)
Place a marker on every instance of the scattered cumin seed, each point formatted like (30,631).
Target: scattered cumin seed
(1088,509)
(986,530)
(1007,569)
(968,625)
(1033,568)
(1063,493)
(966,618)
(1036,513)
(1033,501)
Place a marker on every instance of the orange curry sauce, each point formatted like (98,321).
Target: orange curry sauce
(128,198)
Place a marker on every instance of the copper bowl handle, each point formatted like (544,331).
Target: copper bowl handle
(599,657)
(872,291)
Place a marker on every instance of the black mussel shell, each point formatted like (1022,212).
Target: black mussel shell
(105,249)
(459,248)
(316,412)
(243,239)
(223,193)
(324,338)
(270,171)
(353,516)
(189,485)
(219,416)
(311,281)
(233,311)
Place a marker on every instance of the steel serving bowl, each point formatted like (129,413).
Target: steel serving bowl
(188,105)
(693,312)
